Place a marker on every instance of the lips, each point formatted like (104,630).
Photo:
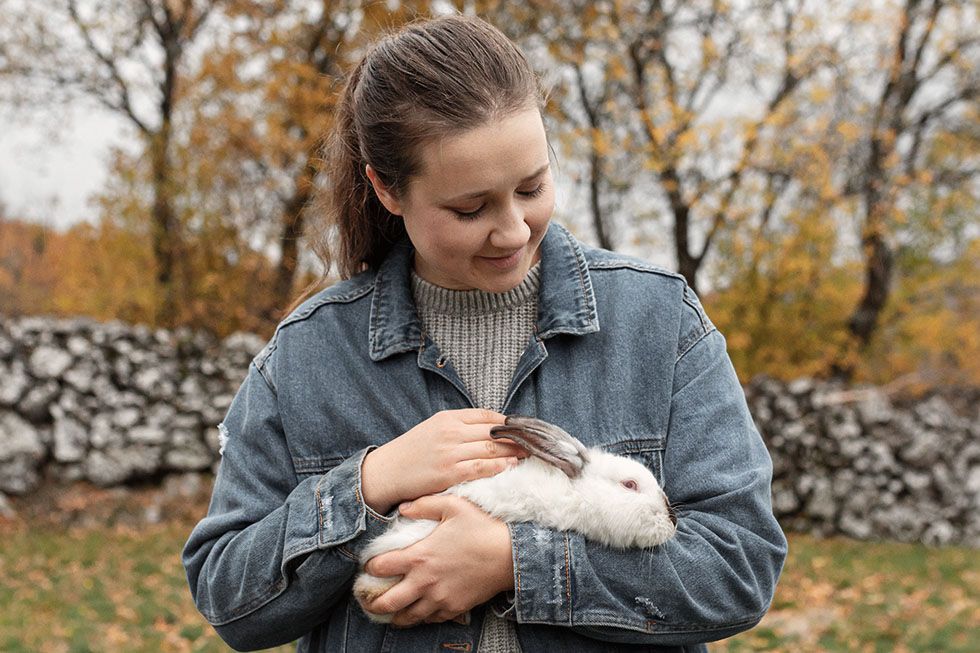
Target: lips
(504,262)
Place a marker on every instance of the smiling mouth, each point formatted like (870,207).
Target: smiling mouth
(504,261)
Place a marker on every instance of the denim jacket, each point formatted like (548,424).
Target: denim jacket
(623,357)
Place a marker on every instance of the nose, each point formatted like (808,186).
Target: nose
(510,232)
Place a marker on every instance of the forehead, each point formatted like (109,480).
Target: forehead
(493,155)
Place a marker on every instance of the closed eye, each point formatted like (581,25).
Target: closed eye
(630,484)
(475,213)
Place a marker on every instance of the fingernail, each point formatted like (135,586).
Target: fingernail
(513,461)
(404,506)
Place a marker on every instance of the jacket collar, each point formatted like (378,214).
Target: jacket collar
(566,303)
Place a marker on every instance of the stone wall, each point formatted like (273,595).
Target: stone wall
(116,404)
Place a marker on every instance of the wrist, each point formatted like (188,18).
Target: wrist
(374,486)
(506,560)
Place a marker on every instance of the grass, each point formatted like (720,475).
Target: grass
(71,589)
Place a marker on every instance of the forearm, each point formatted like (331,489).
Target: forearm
(712,580)
(263,581)
(717,575)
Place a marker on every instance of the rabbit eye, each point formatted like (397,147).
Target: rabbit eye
(629,484)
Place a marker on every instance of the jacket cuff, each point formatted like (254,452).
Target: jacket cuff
(341,513)
(542,576)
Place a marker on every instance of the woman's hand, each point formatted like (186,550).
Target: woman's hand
(464,562)
(450,447)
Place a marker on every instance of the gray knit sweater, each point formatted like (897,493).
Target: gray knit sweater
(482,335)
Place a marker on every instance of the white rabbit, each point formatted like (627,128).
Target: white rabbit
(610,499)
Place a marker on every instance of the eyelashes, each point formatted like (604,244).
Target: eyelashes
(472,215)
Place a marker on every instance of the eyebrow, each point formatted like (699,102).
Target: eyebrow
(469,196)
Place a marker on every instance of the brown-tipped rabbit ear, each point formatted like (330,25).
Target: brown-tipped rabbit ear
(546,441)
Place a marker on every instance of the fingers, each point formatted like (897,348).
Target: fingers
(491,449)
(390,563)
(436,507)
(470,470)
(478,416)
(396,599)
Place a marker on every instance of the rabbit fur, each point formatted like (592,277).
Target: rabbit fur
(610,499)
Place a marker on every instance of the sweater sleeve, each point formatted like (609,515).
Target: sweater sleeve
(716,577)
(275,553)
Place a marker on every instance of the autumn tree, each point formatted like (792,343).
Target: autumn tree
(133,58)
(928,83)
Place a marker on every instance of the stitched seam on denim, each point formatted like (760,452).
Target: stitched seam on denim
(568,582)
(268,381)
(345,298)
(305,546)
(608,266)
(644,445)
(694,344)
(650,625)
(583,271)
(271,592)
(315,464)
(697,308)
(347,553)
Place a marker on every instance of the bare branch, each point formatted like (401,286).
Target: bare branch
(123,104)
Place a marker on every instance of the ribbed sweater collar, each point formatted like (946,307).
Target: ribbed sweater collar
(479,302)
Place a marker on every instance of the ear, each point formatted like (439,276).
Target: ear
(546,441)
(386,197)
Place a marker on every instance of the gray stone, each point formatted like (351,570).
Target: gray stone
(81,376)
(102,434)
(105,469)
(924,451)
(127,417)
(19,438)
(939,533)
(821,503)
(875,407)
(249,343)
(935,412)
(70,438)
(147,434)
(35,405)
(801,386)
(161,414)
(787,407)
(19,475)
(191,455)
(6,347)
(855,526)
(49,362)
(15,383)
(78,346)
(916,481)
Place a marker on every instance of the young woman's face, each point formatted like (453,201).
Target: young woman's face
(478,211)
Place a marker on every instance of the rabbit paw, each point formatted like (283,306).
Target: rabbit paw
(367,588)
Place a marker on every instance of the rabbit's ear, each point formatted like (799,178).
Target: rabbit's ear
(546,441)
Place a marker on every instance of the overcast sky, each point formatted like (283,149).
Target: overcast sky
(48,177)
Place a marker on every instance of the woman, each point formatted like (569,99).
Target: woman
(461,302)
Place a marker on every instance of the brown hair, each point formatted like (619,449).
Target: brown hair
(428,80)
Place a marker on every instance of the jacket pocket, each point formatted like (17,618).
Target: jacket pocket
(312,465)
(648,451)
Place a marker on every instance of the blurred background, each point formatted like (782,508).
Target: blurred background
(811,168)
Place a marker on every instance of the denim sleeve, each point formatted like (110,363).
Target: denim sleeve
(716,577)
(275,553)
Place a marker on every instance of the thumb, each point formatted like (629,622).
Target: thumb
(433,506)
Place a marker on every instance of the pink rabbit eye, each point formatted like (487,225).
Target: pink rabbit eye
(629,484)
